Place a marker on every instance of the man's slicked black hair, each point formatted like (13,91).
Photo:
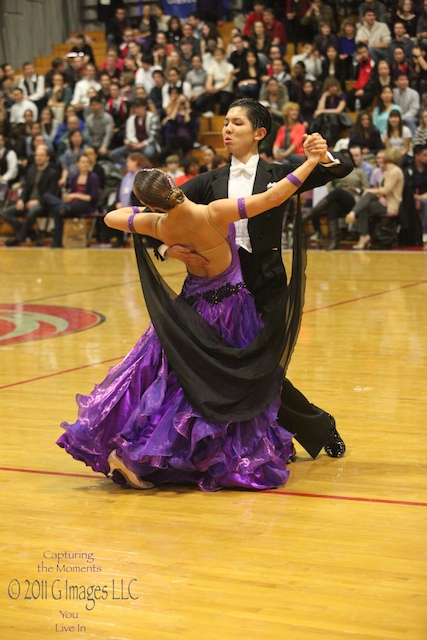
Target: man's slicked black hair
(256,113)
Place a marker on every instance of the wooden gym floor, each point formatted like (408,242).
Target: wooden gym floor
(338,552)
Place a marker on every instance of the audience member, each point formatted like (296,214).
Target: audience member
(276,95)
(324,39)
(366,135)
(80,98)
(191,168)
(142,132)
(376,35)
(379,9)
(116,27)
(20,106)
(100,126)
(250,76)
(377,175)
(382,110)
(8,168)
(219,83)
(329,115)
(290,136)
(408,100)
(332,65)
(274,28)
(32,85)
(41,179)
(359,161)
(406,15)
(311,60)
(397,135)
(181,128)
(81,47)
(173,166)
(347,45)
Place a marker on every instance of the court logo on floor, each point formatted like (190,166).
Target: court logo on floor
(26,322)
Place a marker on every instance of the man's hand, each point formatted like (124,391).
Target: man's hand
(315,145)
(32,203)
(188,257)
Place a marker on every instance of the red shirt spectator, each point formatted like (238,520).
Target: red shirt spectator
(274,28)
(257,14)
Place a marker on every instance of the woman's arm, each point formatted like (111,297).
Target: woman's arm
(225,211)
(144,222)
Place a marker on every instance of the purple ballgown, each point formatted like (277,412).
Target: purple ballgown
(141,411)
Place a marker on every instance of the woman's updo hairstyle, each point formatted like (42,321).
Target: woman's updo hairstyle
(156,189)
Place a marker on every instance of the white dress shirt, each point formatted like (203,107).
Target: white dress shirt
(242,185)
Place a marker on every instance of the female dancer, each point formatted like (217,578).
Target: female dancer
(196,399)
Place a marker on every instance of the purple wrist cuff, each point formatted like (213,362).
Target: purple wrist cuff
(295,181)
(130,219)
(241,207)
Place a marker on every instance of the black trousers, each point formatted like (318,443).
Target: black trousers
(310,424)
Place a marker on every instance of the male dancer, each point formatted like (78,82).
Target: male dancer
(246,123)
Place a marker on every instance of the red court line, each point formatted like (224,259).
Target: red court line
(328,306)
(271,492)
(59,373)
(369,295)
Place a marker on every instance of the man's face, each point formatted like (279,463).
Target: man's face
(399,55)
(105,83)
(422,157)
(161,39)
(90,72)
(140,111)
(120,14)
(362,55)
(238,43)
(41,157)
(128,36)
(114,91)
(268,18)
(29,69)
(238,133)
(370,18)
(277,67)
(96,107)
(275,53)
(187,30)
(402,83)
(72,123)
(399,30)
(356,154)
(17,96)
(158,79)
(173,77)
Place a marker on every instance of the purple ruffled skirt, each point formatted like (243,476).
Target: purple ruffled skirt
(141,411)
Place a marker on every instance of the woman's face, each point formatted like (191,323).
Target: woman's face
(273,86)
(205,29)
(28,116)
(308,88)
(76,139)
(333,89)
(175,24)
(331,53)
(83,164)
(251,58)
(208,156)
(387,95)
(349,30)
(174,58)
(365,121)
(407,5)
(383,68)
(46,116)
(218,55)
(259,28)
(394,121)
(132,165)
(293,114)
(91,154)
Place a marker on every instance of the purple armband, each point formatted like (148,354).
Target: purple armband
(295,181)
(241,207)
(130,219)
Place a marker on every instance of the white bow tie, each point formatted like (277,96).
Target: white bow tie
(242,169)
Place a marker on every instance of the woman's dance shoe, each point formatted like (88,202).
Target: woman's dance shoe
(118,468)
(335,447)
(360,246)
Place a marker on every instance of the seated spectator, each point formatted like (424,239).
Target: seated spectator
(259,40)
(341,199)
(144,75)
(174,31)
(174,61)
(382,111)
(377,175)
(148,23)
(135,54)
(71,124)
(289,139)
(419,66)
(142,132)
(49,125)
(80,98)
(381,77)
(186,51)
(41,179)
(255,16)
(308,100)
(80,199)
(180,129)
(333,66)
(196,21)
(127,37)
(398,136)
(311,60)
(210,32)
(279,70)
(366,135)
(8,168)
(295,84)
(408,100)
(329,115)
(219,84)
(155,96)
(294,12)
(191,168)
(162,20)
(276,95)
(188,35)
(95,166)
(112,65)
(405,15)
(4,122)
(316,13)
(118,109)
(380,201)
(29,120)
(100,126)
(117,26)
(401,39)
(209,154)
(400,64)
(174,81)
(58,66)
(417,174)
(420,135)
(363,92)
(325,39)
(32,84)
(173,165)
(347,46)
(82,47)
(376,35)
(379,9)
(265,147)
(10,81)
(359,161)
(58,97)
(20,106)
(70,157)
(238,50)
(250,76)
(196,77)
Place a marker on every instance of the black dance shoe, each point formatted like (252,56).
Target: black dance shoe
(335,447)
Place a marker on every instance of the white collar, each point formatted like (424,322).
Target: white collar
(252,162)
